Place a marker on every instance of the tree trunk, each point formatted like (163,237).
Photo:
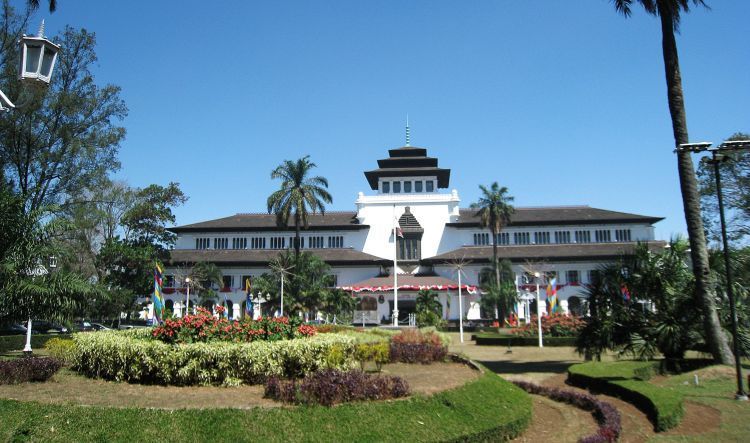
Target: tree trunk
(296,235)
(494,261)
(704,289)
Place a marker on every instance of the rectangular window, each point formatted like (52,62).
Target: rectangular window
(594,276)
(333,280)
(409,249)
(258,243)
(315,242)
(336,241)
(221,243)
(396,187)
(562,236)
(583,236)
(278,242)
(169,281)
(481,239)
(202,243)
(573,277)
(418,186)
(503,238)
(226,281)
(521,238)
(603,235)
(541,238)
(407,186)
(239,243)
(622,235)
(386,187)
(430,185)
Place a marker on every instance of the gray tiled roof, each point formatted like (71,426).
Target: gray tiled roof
(261,257)
(557,215)
(553,252)
(333,220)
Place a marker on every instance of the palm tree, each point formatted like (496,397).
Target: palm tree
(34,4)
(494,210)
(204,276)
(668,12)
(299,195)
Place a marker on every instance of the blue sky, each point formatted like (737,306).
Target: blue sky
(562,102)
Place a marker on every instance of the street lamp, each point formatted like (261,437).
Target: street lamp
(719,155)
(38,59)
(187,297)
(537,276)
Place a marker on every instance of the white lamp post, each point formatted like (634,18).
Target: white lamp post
(537,276)
(187,297)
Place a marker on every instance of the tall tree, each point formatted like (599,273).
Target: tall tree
(735,186)
(501,298)
(299,195)
(669,12)
(60,139)
(494,209)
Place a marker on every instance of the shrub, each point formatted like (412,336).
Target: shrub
(128,356)
(413,346)
(28,369)
(605,414)
(62,349)
(333,328)
(555,325)
(332,386)
(378,352)
(204,327)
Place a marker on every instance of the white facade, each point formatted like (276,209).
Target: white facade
(569,241)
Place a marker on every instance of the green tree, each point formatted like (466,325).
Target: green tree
(494,210)
(29,288)
(61,139)
(429,309)
(735,186)
(299,195)
(337,303)
(205,276)
(669,12)
(500,299)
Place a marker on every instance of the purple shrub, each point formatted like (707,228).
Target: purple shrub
(417,352)
(28,369)
(332,386)
(605,414)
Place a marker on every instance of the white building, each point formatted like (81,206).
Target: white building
(408,188)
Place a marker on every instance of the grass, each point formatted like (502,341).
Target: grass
(716,389)
(488,409)
(662,404)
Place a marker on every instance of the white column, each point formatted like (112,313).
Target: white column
(177,309)
(236,310)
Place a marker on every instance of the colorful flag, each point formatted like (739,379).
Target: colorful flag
(249,299)
(158,297)
(625,292)
(552,296)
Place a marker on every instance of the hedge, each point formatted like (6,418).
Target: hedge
(131,356)
(663,406)
(17,342)
(505,340)
(485,409)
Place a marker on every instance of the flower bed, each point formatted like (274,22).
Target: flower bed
(332,386)
(413,346)
(555,325)
(605,414)
(134,356)
(24,369)
(204,327)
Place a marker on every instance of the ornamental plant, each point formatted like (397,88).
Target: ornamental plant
(204,327)
(28,369)
(555,325)
(414,346)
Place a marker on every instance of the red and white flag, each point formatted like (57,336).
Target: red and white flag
(399,232)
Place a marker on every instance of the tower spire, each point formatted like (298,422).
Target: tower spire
(408,136)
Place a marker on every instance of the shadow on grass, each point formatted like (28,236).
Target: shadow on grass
(521,367)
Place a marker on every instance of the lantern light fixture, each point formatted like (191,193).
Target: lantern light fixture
(38,57)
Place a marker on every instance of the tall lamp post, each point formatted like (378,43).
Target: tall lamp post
(719,155)
(537,276)
(38,58)
(187,297)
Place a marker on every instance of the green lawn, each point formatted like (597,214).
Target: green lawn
(487,409)
(716,389)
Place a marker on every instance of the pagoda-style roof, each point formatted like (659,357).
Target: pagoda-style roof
(408,161)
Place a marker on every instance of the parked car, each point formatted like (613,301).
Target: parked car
(99,327)
(84,326)
(47,327)
(12,330)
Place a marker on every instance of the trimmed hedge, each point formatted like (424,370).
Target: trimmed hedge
(486,409)
(22,370)
(506,340)
(17,342)
(663,406)
(130,356)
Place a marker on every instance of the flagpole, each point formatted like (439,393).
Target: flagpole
(395,271)
(460,308)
